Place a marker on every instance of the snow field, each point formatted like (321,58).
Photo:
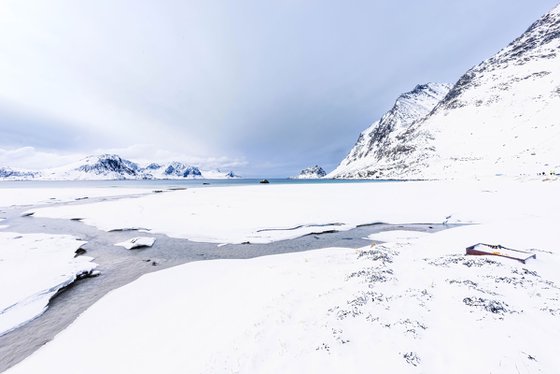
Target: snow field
(413,304)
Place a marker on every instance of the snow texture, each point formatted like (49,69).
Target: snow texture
(501,117)
(33,268)
(415,304)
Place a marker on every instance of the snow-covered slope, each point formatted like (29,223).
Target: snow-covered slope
(218,174)
(312,172)
(379,146)
(104,166)
(501,117)
(112,167)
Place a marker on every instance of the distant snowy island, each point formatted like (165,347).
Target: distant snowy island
(312,172)
(114,167)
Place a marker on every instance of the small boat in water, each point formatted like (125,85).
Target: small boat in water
(264,181)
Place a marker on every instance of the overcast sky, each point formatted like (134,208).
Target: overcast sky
(261,87)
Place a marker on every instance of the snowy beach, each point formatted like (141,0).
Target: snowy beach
(411,304)
(279,187)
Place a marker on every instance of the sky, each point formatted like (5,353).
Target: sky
(264,88)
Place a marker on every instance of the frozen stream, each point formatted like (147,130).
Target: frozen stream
(119,266)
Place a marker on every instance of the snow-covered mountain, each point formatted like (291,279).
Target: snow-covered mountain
(173,170)
(113,167)
(501,117)
(379,146)
(312,172)
(99,167)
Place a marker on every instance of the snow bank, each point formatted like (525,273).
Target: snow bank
(260,214)
(38,195)
(33,267)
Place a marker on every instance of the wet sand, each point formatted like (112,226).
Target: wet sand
(120,266)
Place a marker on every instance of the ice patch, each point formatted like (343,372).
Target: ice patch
(138,242)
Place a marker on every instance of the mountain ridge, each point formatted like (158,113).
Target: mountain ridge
(114,167)
(380,140)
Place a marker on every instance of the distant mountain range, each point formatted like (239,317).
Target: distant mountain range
(113,167)
(501,117)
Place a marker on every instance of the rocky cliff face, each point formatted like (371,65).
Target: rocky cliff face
(381,146)
(501,117)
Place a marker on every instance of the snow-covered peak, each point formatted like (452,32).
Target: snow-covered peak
(108,163)
(179,169)
(94,167)
(376,141)
(417,103)
(313,172)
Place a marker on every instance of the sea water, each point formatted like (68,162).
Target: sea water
(170,183)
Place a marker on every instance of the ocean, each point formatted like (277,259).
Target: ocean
(170,183)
